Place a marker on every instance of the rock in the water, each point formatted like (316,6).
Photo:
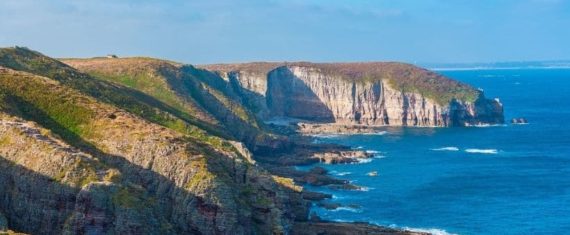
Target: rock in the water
(372,173)
(351,187)
(329,206)
(336,157)
(519,121)
(324,227)
(318,170)
(315,196)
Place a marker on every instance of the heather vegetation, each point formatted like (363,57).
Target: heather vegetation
(58,109)
(190,92)
(404,77)
(134,101)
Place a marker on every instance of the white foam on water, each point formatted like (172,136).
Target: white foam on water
(434,231)
(359,147)
(345,208)
(325,136)
(376,133)
(363,160)
(372,151)
(482,151)
(486,125)
(379,156)
(446,149)
(364,189)
(343,173)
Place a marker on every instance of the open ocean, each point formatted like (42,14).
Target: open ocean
(511,179)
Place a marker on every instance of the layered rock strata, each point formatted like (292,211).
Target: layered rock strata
(374,94)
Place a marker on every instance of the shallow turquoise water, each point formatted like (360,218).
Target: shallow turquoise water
(512,179)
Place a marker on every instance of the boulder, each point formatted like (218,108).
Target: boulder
(519,121)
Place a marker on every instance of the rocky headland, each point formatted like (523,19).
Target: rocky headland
(147,146)
(365,94)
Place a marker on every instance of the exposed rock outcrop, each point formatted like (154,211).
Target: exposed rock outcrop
(70,163)
(309,93)
(316,228)
(374,94)
(144,146)
(519,121)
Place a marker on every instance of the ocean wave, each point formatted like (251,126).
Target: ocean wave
(434,231)
(363,160)
(358,147)
(376,133)
(342,173)
(483,151)
(325,136)
(372,151)
(526,123)
(346,208)
(446,149)
(378,156)
(486,125)
(364,189)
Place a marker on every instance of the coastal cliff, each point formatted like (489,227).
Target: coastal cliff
(373,94)
(72,162)
(147,146)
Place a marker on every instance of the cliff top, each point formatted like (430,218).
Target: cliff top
(253,67)
(406,77)
(104,64)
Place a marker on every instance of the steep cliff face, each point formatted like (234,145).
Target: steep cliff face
(309,93)
(249,81)
(73,163)
(197,95)
(391,94)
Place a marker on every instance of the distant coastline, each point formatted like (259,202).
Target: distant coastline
(555,64)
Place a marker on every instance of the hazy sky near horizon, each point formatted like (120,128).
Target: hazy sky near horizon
(211,31)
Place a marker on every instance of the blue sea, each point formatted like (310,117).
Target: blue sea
(510,179)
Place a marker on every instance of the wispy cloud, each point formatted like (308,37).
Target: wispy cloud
(205,31)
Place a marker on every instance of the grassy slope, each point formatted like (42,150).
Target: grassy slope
(190,91)
(123,97)
(65,107)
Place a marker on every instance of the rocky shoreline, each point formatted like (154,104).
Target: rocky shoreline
(324,227)
(336,128)
(306,152)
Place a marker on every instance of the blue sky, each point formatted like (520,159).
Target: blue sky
(209,31)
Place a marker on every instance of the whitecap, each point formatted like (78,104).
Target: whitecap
(326,136)
(343,173)
(337,197)
(485,125)
(364,189)
(446,149)
(376,133)
(363,160)
(483,151)
(372,151)
(377,156)
(359,147)
(345,208)
(434,231)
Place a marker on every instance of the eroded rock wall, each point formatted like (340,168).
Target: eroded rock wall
(307,93)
